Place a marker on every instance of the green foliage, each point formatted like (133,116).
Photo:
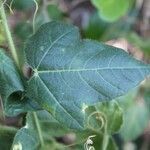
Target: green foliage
(50,127)
(135,121)
(72,81)
(6,137)
(28,137)
(2,37)
(54,12)
(86,72)
(11,88)
(141,43)
(23,30)
(95,23)
(114,115)
(111,10)
(23,4)
(136,117)
(105,115)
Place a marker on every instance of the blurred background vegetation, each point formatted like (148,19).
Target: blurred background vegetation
(121,23)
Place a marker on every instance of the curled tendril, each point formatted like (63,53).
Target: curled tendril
(10,9)
(35,13)
(99,116)
(89,142)
(3,3)
(9,6)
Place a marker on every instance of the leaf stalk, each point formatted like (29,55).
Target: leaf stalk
(38,129)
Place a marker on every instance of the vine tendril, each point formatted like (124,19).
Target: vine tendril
(98,116)
(35,13)
(3,3)
(9,6)
(88,144)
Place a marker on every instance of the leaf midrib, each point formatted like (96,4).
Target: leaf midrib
(90,69)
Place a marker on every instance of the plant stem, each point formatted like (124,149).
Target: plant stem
(34,113)
(105,138)
(8,129)
(8,34)
(105,141)
(38,129)
(35,13)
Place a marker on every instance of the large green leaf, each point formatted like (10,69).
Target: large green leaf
(111,10)
(11,88)
(70,73)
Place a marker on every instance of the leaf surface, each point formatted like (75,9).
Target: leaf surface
(70,73)
(25,139)
(111,10)
(11,88)
(6,137)
(136,116)
(28,136)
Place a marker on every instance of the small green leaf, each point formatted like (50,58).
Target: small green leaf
(111,10)
(28,136)
(17,103)
(11,88)
(23,5)
(25,139)
(135,121)
(136,117)
(54,12)
(70,73)
(9,77)
(114,115)
(97,23)
(6,137)
(105,115)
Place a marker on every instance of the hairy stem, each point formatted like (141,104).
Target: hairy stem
(8,34)
(38,129)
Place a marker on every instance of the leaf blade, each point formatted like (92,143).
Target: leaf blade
(70,72)
(11,88)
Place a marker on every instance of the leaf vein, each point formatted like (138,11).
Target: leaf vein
(55,99)
(52,44)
